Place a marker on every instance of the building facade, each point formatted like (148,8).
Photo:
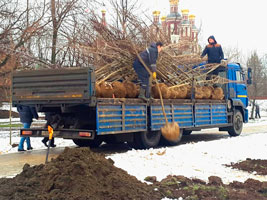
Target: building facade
(180,28)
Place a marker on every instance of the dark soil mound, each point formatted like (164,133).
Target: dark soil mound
(75,174)
(250,165)
(174,187)
(5,114)
(80,174)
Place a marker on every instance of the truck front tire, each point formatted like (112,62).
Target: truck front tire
(237,127)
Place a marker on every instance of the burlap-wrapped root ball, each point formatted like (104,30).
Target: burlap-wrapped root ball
(119,90)
(106,90)
(164,91)
(188,93)
(199,92)
(131,89)
(217,93)
(183,92)
(97,90)
(172,93)
(207,91)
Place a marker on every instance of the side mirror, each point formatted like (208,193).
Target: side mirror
(249,80)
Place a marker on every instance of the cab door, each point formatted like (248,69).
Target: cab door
(241,88)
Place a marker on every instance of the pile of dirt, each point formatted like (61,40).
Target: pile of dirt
(174,187)
(5,114)
(80,174)
(252,166)
(75,174)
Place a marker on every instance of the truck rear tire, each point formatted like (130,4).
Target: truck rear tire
(237,127)
(165,142)
(87,143)
(145,140)
(187,132)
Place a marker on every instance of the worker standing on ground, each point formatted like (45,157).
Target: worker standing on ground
(213,50)
(26,114)
(149,56)
(257,111)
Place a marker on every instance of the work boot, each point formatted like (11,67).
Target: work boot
(44,143)
(142,94)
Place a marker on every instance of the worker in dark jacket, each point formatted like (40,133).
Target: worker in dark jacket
(149,56)
(213,50)
(26,114)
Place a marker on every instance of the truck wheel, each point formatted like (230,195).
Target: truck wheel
(237,127)
(87,143)
(187,132)
(165,142)
(145,140)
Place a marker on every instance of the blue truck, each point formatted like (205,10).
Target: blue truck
(69,98)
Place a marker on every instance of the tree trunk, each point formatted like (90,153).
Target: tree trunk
(55,31)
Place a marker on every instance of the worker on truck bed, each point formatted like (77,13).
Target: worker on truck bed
(214,51)
(149,56)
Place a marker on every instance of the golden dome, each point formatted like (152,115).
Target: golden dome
(156,13)
(103,11)
(174,2)
(185,11)
(192,16)
(163,18)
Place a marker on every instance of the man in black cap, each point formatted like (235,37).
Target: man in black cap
(149,56)
(213,50)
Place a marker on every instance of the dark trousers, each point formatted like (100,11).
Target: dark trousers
(47,138)
(257,114)
(143,76)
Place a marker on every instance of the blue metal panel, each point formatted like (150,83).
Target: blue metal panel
(122,118)
(210,114)
(182,114)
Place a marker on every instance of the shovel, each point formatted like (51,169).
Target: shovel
(170,131)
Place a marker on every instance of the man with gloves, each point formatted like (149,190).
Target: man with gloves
(149,56)
(213,50)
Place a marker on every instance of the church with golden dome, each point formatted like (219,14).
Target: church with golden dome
(180,28)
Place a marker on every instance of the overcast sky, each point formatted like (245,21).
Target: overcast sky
(234,23)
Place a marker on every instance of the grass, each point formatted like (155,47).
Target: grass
(10,125)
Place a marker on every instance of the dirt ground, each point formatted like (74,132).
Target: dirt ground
(5,114)
(81,174)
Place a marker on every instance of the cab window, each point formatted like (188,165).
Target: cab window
(239,76)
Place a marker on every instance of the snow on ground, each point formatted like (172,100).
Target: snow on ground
(200,160)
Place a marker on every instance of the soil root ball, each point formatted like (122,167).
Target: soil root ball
(199,92)
(106,90)
(119,89)
(98,90)
(217,93)
(173,93)
(182,92)
(165,91)
(207,91)
(131,89)
(188,92)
